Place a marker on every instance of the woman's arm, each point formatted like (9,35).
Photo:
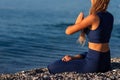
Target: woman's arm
(89,20)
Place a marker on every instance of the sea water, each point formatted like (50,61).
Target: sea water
(32,32)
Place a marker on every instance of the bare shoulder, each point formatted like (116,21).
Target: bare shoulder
(89,20)
(95,22)
(92,17)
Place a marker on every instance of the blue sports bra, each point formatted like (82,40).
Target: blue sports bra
(103,33)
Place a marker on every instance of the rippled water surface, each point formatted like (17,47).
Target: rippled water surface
(33,37)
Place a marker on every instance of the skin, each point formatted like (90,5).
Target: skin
(81,23)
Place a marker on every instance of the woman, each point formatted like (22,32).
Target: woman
(98,27)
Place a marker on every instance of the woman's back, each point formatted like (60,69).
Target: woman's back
(103,32)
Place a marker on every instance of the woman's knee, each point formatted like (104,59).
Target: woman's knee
(55,66)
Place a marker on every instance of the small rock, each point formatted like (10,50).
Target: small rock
(46,77)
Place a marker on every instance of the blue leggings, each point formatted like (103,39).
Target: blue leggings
(93,61)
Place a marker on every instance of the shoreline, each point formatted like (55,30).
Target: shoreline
(43,74)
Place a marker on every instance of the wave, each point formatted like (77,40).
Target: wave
(58,24)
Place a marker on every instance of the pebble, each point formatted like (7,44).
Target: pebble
(43,74)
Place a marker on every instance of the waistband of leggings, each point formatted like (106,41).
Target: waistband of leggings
(90,50)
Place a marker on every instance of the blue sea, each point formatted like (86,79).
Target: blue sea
(32,32)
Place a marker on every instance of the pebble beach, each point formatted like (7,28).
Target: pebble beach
(43,74)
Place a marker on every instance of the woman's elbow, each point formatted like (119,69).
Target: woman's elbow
(68,32)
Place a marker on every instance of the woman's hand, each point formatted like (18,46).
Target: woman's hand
(67,58)
(79,18)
